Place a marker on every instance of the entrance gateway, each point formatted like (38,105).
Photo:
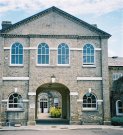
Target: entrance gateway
(52,95)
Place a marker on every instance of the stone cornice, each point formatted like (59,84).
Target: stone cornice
(52,36)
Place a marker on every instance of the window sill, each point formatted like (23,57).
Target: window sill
(16,65)
(42,65)
(63,65)
(120,114)
(89,109)
(89,66)
(14,110)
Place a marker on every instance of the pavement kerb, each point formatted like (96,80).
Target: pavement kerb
(61,127)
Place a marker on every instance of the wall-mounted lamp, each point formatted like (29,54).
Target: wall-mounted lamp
(53,79)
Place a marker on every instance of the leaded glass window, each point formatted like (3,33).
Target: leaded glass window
(17,54)
(43,54)
(89,101)
(63,54)
(88,54)
(15,101)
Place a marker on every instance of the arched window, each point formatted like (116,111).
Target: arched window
(17,54)
(88,54)
(43,54)
(15,101)
(63,54)
(119,107)
(89,102)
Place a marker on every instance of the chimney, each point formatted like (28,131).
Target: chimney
(6,24)
(114,57)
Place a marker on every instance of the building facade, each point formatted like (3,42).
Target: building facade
(116,85)
(53,51)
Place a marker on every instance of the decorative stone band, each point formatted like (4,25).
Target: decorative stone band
(24,100)
(15,78)
(31,93)
(99,100)
(89,78)
(55,49)
(5,100)
(74,93)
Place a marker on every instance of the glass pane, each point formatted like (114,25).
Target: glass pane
(94,105)
(39,59)
(47,51)
(63,59)
(88,51)
(84,105)
(84,59)
(59,59)
(39,51)
(63,50)
(20,51)
(21,59)
(119,104)
(67,51)
(88,59)
(59,51)
(13,50)
(120,111)
(84,51)
(43,50)
(43,59)
(92,51)
(89,105)
(92,59)
(17,50)
(10,105)
(16,61)
(47,59)
(13,59)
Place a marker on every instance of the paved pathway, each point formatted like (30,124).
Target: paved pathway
(61,127)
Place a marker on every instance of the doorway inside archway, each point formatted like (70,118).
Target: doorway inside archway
(51,96)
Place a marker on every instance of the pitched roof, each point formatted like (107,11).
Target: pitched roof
(61,12)
(115,61)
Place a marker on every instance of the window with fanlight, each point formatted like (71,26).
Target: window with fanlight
(15,102)
(88,55)
(89,102)
(17,54)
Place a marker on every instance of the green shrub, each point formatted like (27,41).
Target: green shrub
(117,121)
(55,112)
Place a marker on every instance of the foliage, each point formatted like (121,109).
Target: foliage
(55,112)
(117,121)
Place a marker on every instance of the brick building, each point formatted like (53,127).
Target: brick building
(54,52)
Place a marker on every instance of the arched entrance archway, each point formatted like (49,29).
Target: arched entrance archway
(53,94)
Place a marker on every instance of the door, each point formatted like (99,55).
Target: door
(43,106)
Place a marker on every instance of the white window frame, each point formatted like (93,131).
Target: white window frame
(15,109)
(88,64)
(117,108)
(11,56)
(37,64)
(90,108)
(58,54)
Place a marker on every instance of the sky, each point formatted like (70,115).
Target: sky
(107,14)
